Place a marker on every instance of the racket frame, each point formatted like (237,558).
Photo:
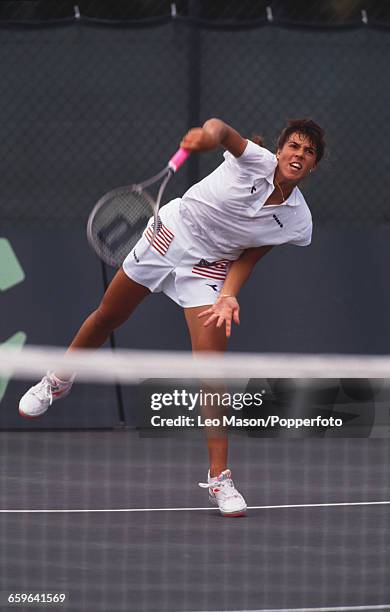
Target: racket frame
(167,172)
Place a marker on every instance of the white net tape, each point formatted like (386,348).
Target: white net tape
(127,366)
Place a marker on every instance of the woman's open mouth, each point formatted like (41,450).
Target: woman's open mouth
(295,166)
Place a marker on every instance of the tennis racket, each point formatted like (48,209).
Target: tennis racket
(119,218)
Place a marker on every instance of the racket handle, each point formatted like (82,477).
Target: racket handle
(178,159)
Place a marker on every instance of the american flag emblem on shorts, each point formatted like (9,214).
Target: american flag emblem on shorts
(215,269)
(162,239)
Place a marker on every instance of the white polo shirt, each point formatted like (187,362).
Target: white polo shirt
(225,212)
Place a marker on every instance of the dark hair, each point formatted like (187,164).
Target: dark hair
(308,128)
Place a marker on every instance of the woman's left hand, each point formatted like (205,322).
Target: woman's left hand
(223,311)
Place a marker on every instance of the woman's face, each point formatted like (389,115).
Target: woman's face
(296,158)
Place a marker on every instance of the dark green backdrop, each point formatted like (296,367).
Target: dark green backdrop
(85,108)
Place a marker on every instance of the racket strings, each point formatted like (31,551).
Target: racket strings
(119,219)
(118,223)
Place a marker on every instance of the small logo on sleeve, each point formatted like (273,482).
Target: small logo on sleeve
(277,221)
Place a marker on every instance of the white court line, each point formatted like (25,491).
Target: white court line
(331,609)
(91,510)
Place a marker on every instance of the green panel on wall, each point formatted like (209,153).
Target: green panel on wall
(17,339)
(11,272)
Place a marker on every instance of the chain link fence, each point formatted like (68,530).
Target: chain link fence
(325,12)
(87,107)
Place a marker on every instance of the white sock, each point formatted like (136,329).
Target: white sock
(61,383)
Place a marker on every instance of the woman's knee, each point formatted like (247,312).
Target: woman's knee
(120,300)
(108,319)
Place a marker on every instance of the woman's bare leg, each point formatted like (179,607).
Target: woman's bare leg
(211,339)
(121,298)
(119,301)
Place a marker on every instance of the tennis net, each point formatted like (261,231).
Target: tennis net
(107,515)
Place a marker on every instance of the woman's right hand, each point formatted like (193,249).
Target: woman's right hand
(225,310)
(200,139)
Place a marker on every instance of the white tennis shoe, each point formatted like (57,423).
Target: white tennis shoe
(222,493)
(38,398)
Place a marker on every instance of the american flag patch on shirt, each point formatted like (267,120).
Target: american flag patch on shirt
(214,269)
(163,238)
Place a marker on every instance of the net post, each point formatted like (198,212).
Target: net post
(118,387)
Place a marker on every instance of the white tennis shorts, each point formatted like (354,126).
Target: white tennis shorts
(168,265)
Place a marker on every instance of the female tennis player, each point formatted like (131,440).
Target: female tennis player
(207,245)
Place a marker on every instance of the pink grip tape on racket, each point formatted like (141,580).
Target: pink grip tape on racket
(178,159)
